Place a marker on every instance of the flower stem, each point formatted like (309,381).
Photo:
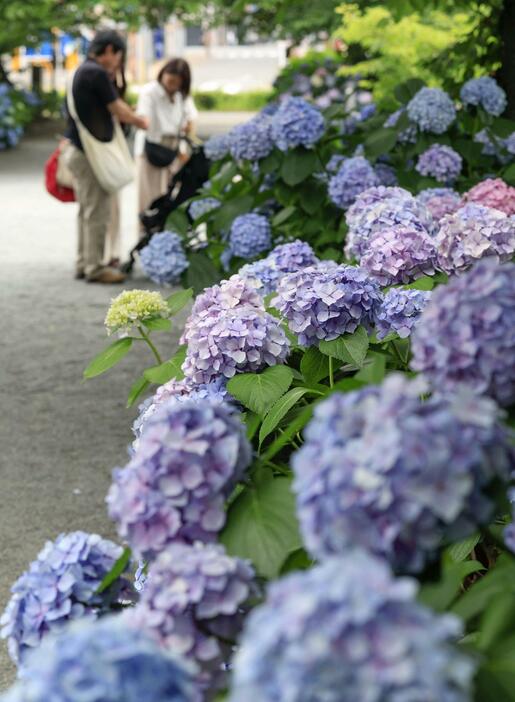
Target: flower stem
(331,372)
(146,338)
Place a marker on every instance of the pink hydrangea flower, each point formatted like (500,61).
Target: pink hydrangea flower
(493,192)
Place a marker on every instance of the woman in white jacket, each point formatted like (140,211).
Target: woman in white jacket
(171,111)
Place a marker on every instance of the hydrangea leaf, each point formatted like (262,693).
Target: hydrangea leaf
(118,568)
(201,272)
(439,596)
(424,283)
(295,426)
(298,165)
(381,141)
(480,594)
(283,215)
(109,357)
(259,391)
(279,410)
(139,386)
(461,550)
(314,365)
(157,324)
(169,369)
(351,348)
(179,299)
(374,369)
(261,525)
(405,91)
(178,221)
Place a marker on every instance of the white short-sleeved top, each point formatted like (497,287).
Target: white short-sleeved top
(168,116)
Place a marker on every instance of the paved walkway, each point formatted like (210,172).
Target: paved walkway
(59,437)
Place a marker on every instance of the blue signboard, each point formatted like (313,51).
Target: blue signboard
(158,41)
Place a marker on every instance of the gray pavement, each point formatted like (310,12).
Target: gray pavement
(59,437)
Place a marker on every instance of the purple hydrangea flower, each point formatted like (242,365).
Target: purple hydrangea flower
(250,235)
(324,303)
(400,311)
(432,110)
(382,469)
(193,604)
(104,661)
(296,123)
(467,332)
(188,459)
(252,141)
(408,135)
(386,174)
(486,93)
(471,233)
(59,586)
(440,201)
(440,162)
(354,175)
(367,111)
(217,147)
(348,631)
(335,162)
(370,197)
(163,258)
(509,532)
(262,275)
(198,208)
(399,254)
(285,258)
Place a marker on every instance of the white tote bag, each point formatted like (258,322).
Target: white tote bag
(111,161)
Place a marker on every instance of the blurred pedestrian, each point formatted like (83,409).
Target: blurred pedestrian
(171,112)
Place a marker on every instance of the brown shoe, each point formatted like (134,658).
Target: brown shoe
(107,276)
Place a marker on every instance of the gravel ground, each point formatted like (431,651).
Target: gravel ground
(59,437)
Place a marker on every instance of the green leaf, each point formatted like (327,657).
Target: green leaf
(262,526)
(115,572)
(252,420)
(497,620)
(178,300)
(509,174)
(298,560)
(461,550)
(169,369)
(496,582)
(351,348)
(503,127)
(298,165)
(279,410)
(374,369)
(232,209)
(178,222)
(259,391)
(405,91)
(289,432)
(439,596)
(424,283)
(283,215)
(139,386)
(158,324)
(270,164)
(312,198)
(108,358)
(201,273)
(381,141)
(314,365)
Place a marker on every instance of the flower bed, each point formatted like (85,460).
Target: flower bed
(17,109)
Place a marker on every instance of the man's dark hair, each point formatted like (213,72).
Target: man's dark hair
(105,38)
(178,67)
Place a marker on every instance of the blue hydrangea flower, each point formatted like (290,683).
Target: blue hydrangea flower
(466,334)
(400,310)
(367,111)
(440,201)
(285,258)
(335,162)
(250,235)
(509,531)
(471,233)
(348,631)
(188,459)
(354,175)
(217,147)
(198,208)
(252,141)
(59,586)
(386,174)
(104,661)
(262,274)
(297,123)
(324,303)
(432,110)
(408,135)
(383,469)
(163,258)
(370,197)
(440,162)
(486,93)
(193,603)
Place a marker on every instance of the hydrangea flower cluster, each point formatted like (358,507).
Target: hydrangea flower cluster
(217,147)
(502,149)
(324,303)
(188,459)
(370,197)
(163,258)
(509,531)
(250,235)
(382,469)
(400,311)
(440,201)
(471,233)
(264,274)
(59,586)
(354,175)
(385,174)
(432,110)
(406,136)
(440,162)
(493,192)
(297,123)
(347,630)
(104,661)
(195,594)
(466,334)
(252,141)
(399,254)
(198,208)
(484,92)
(131,307)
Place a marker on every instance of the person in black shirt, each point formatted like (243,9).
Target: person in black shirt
(96,103)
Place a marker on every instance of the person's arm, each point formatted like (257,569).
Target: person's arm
(126,114)
(190,116)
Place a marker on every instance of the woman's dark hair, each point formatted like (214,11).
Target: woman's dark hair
(178,67)
(105,38)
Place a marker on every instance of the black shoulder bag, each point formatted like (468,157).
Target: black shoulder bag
(158,155)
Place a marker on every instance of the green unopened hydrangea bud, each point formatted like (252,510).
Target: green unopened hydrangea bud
(132,307)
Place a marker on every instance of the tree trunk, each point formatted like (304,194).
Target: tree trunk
(506,73)
(37,74)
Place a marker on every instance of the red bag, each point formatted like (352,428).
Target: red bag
(58,191)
